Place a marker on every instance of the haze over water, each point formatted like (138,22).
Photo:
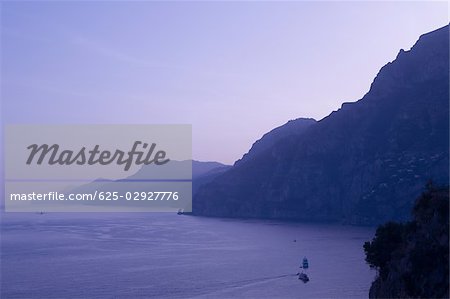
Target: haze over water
(169,256)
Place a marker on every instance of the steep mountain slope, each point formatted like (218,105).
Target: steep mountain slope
(362,164)
(294,127)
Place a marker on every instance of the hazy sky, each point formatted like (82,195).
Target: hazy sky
(233,70)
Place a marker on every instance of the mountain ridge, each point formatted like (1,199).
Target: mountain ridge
(292,127)
(362,163)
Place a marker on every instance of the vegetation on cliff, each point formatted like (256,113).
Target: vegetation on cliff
(412,258)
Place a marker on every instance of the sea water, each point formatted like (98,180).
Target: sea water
(141,255)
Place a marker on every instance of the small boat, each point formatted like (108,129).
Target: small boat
(180,212)
(303,277)
(305,264)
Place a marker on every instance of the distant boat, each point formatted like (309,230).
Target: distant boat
(305,264)
(303,277)
(180,212)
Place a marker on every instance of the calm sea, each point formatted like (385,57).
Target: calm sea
(138,255)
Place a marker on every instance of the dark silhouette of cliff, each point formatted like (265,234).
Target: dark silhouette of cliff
(362,164)
(412,258)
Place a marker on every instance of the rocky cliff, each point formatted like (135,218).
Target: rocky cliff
(363,164)
(412,258)
(292,128)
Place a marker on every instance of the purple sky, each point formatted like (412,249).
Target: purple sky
(233,70)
